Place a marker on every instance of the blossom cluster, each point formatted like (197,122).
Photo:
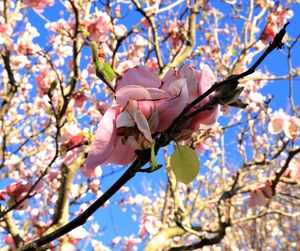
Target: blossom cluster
(146,104)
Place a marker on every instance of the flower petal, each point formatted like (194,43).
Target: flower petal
(124,120)
(123,154)
(169,110)
(191,80)
(139,76)
(105,138)
(142,124)
(207,79)
(137,92)
(275,125)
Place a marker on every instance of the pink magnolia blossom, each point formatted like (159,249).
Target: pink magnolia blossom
(17,191)
(38,5)
(261,195)
(2,194)
(77,234)
(149,224)
(130,242)
(5,34)
(280,121)
(173,29)
(152,65)
(277,18)
(293,171)
(146,104)
(72,135)
(44,79)
(291,127)
(25,43)
(79,98)
(277,121)
(9,240)
(116,240)
(99,26)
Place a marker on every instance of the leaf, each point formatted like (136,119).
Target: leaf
(185,163)
(153,162)
(108,72)
(103,70)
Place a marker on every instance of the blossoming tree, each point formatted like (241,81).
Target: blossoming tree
(90,89)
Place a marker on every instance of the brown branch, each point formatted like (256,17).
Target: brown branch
(61,213)
(278,175)
(160,240)
(13,230)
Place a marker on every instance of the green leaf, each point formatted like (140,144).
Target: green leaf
(153,162)
(108,72)
(185,164)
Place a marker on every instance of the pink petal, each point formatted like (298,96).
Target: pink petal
(151,228)
(208,117)
(122,154)
(191,80)
(169,110)
(139,76)
(124,120)
(207,79)
(105,138)
(291,127)
(147,108)
(142,124)
(131,92)
(95,173)
(260,199)
(136,92)
(169,78)
(275,125)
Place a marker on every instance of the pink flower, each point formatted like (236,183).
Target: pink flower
(293,171)
(2,194)
(204,145)
(72,135)
(130,242)
(276,19)
(173,29)
(146,104)
(269,32)
(5,34)
(79,98)
(38,5)
(277,121)
(77,234)
(116,240)
(17,191)
(291,127)
(152,65)
(9,240)
(25,43)
(99,26)
(283,122)
(149,224)
(261,195)
(45,78)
